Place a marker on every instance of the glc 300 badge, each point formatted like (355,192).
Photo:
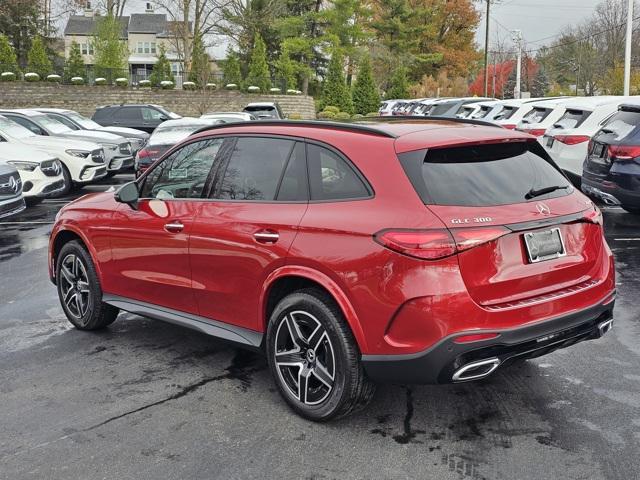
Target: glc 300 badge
(459,221)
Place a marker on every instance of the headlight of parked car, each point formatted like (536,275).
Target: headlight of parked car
(78,153)
(24,166)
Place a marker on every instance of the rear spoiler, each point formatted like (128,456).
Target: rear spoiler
(629,107)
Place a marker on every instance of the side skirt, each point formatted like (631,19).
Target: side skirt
(225,331)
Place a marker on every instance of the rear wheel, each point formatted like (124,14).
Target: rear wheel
(79,289)
(632,210)
(68,182)
(314,359)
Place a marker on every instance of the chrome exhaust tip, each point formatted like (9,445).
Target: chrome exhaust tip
(476,370)
(605,326)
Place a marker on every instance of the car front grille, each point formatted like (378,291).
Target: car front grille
(97,156)
(11,208)
(58,185)
(51,168)
(10,185)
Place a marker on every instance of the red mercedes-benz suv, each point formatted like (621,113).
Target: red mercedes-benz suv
(419,251)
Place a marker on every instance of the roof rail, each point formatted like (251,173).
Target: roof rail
(438,118)
(355,127)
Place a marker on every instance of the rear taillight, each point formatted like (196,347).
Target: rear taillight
(537,132)
(623,152)
(593,216)
(572,139)
(144,153)
(509,126)
(437,243)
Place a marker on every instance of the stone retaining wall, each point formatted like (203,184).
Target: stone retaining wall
(85,99)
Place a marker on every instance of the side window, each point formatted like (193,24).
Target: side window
(184,173)
(65,121)
(128,113)
(254,169)
(331,177)
(293,186)
(27,124)
(151,114)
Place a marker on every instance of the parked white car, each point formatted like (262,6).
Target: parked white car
(40,172)
(468,110)
(117,150)
(543,114)
(228,117)
(386,107)
(83,162)
(487,110)
(567,140)
(11,201)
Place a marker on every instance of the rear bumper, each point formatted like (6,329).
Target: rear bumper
(444,362)
(611,193)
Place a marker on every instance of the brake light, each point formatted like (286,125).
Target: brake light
(536,132)
(624,152)
(476,337)
(437,243)
(509,126)
(424,244)
(144,153)
(572,139)
(467,238)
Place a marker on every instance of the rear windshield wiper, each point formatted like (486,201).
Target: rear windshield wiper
(541,191)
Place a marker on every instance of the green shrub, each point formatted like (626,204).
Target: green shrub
(7,77)
(358,115)
(253,89)
(31,77)
(231,86)
(144,83)
(326,115)
(291,91)
(343,116)
(122,82)
(211,86)
(295,116)
(188,86)
(54,78)
(77,81)
(167,85)
(101,81)
(275,90)
(331,108)
(373,114)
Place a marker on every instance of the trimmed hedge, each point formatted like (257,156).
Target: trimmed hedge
(7,77)
(77,81)
(31,77)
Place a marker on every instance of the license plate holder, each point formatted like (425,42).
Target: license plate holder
(544,245)
(550,141)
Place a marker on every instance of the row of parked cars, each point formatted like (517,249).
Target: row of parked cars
(595,140)
(45,152)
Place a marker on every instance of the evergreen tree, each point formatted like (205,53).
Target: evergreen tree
(231,68)
(258,67)
(8,59)
(335,91)
(200,68)
(286,68)
(365,94)
(37,59)
(111,51)
(540,84)
(162,69)
(399,84)
(75,64)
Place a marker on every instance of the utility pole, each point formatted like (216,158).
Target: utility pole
(517,38)
(486,52)
(627,49)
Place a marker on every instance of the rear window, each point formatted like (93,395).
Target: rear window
(622,124)
(506,113)
(483,175)
(572,118)
(536,115)
(482,113)
(441,108)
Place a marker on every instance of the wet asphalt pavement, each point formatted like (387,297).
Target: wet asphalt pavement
(145,399)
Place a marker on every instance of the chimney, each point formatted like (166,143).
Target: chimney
(149,8)
(88,11)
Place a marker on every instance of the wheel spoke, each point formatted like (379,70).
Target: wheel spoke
(66,273)
(315,339)
(74,273)
(303,384)
(289,358)
(294,331)
(83,287)
(80,303)
(323,375)
(71,302)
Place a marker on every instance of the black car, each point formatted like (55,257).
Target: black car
(141,117)
(611,171)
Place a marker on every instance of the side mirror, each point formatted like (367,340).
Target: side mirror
(128,193)
(163,118)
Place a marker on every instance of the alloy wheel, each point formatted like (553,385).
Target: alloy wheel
(304,357)
(74,285)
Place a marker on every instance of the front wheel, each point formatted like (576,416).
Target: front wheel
(79,289)
(314,358)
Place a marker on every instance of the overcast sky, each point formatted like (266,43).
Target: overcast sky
(538,19)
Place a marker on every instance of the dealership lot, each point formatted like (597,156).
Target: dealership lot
(145,399)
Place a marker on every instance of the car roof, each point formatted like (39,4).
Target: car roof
(22,111)
(409,134)
(185,122)
(53,110)
(261,104)
(591,103)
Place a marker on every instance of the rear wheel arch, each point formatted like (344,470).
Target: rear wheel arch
(291,279)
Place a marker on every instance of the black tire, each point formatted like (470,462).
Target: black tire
(68,182)
(33,201)
(319,326)
(79,289)
(632,210)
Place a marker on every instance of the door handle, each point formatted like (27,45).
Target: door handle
(266,236)
(175,226)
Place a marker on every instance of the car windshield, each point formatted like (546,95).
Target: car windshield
(14,130)
(51,124)
(84,122)
(484,175)
(173,134)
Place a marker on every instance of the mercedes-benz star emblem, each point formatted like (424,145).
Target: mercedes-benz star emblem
(543,209)
(14,185)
